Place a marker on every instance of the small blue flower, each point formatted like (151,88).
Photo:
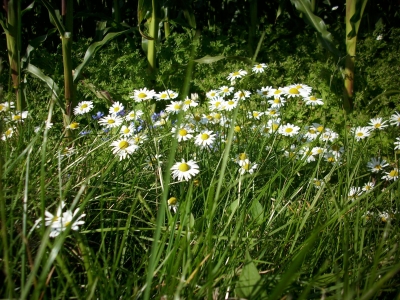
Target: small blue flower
(121,113)
(98,115)
(84,132)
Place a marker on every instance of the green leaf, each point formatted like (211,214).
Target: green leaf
(144,9)
(93,48)
(257,212)
(324,35)
(28,8)
(55,17)
(249,280)
(356,17)
(211,59)
(33,70)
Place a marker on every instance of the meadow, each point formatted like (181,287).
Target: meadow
(222,176)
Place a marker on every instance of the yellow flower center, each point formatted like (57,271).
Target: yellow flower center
(360,134)
(110,121)
(217,104)
(225,90)
(272,112)
(177,106)
(312,98)
(277,92)
(123,145)
(188,101)
(242,156)
(246,167)
(17,117)
(277,100)
(126,130)
(231,102)
(217,116)
(237,129)
(172,95)
(331,159)
(8,132)
(172,201)
(116,109)
(142,95)
(377,125)
(84,106)
(2,107)
(235,74)
(312,131)
(394,173)
(74,125)
(255,114)
(183,132)
(289,130)
(197,118)
(265,92)
(275,126)
(378,167)
(183,167)
(317,183)
(320,128)
(294,91)
(204,136)
(163,96)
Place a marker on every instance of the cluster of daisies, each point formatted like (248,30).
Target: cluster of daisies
(11,118)
(206,126)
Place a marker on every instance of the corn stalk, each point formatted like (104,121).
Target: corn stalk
(354,12)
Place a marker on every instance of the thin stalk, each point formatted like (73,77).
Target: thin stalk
(151,50)
(68,81)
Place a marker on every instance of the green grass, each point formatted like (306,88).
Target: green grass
(266,234)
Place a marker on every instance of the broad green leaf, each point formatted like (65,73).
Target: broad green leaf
(356,17)
(211,59)
(28,8)
(249,280)
(324,35)
(55,17)
(257,211)
(33,70)
(144,9)
(93,48)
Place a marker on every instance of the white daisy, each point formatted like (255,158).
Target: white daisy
(312,133)
(272,112)
(276,92)
(175,107)
(241,95)
(236,75)
(397,144)
(139,138)
(166,95)
(307,154)
(392,175)
(292,91)
(111,121)
(354,193)
(143,94)
(116,108)
(188,102)
(127,130)
(377,123)
(264,91)
(225,90)
(247,167)
(5,106)
(212,94)
(9,133)
(217,103)
(19,116)
(291,152)
(205,138)
(73,125)
(360,132)
(185,170)
(313,101)
(134,115)
(65,221)
(255,114)
(274,124)
(173,204)
(230,104)
(329,135)
(83,107)
(277,102)
(289,130)
(318,183)
(259,68)
(395,119)
(376,165)
(124,147)
(183,133)
(368,186)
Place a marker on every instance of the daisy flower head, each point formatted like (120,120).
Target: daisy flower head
(152,162)
(185,170)
(246,167)
(216,118)
(276,92)
(377,123)
(226,90)
(116,108)
(66,221)
(230,104)
(313,101)
(354,193)
(111,121)
(376,165)
(289,130)
(183,133)
(272,112)
(395,119)
(143,95)
(293,91)
(9,133)
(134,115)
(369,186)
(175,107)
(123,147)
(55,219)
(83,107)
(5,106)
(205,138)
(173,204)
(307,154)
(318,150)
(336,150)
(397,144)
(312,133)
(19,117)
(212,94)
(73,125)
(241,95)
(259,68)
(361,133)
(166,95)
(255,114)
(217,103)
(329,135)
(277,102)
(236,75)
(274,124)
(384,216)
(318,183)
(392,175)
(291,152)
(139,138)
(264,91)
(189,102)
(127,130)
(303,88)
(320,128)
(331,157)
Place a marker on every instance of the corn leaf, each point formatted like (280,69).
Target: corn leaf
(356,17)
(211,59)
